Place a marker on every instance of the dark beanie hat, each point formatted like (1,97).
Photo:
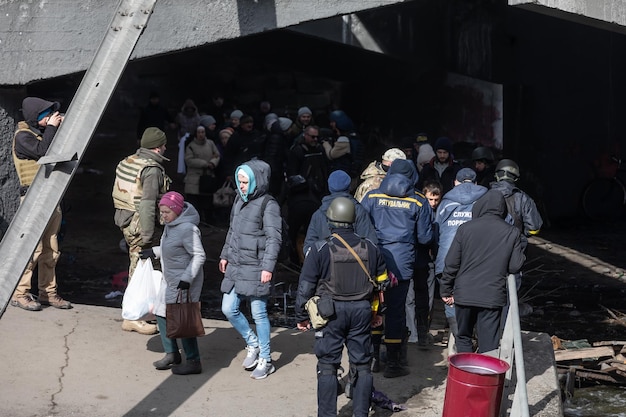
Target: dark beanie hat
(338,181)
(443,143)
(404,167)
(342,121)
(153,137)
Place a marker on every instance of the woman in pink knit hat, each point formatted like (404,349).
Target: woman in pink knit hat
(182,257)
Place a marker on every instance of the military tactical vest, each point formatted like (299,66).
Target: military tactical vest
(348,281)
(127,190)
(26,168)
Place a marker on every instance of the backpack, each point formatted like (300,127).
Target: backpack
(315,175)
(512,217)
(285,246)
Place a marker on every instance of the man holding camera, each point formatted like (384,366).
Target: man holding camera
(344,270)
(32,139)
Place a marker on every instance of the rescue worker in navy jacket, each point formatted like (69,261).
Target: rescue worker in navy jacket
(402,218)
(331,270)
(482,254)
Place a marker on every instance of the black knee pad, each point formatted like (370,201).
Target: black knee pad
(355,371)
(324,369)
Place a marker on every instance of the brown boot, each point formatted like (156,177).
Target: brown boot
(55,301)
(27,302)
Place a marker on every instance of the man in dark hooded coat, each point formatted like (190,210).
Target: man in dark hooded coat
(482,254)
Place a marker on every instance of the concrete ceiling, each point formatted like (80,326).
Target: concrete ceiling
(604,14)
(40,40)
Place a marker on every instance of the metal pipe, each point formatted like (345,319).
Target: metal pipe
(520,371)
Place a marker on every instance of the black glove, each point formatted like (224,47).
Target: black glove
(183,285)
(146,253)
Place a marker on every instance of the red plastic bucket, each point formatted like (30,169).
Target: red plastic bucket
(474,386)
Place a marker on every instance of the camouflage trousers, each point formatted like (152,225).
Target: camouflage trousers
(132,235)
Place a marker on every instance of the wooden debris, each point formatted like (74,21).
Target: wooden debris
(618,316)
(586,353)
(609,343)
(582,361)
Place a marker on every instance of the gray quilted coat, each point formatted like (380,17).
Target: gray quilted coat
(182,254)
(252,244)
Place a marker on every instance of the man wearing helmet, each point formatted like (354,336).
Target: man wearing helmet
(373,175)
(344,270)
(522,211)
(483,165)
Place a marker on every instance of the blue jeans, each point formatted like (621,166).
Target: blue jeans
(258,307)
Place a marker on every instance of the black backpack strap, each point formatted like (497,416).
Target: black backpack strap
(266,198)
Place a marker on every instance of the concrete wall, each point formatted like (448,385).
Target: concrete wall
(9,185)
(604,14)
(46,39)
(565,100)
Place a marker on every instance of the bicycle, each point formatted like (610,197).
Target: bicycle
(604,198)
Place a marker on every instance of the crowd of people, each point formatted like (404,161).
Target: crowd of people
(418,218)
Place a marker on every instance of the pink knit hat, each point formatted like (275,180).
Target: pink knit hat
(174,201)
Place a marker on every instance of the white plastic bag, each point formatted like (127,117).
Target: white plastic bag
(181,166)
(161,285)
(141,293)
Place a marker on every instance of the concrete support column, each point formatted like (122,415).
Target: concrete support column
(10,114)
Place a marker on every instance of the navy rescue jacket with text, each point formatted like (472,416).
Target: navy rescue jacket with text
(454,210)
(402,219)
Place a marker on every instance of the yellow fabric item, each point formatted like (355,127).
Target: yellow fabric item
(26,168)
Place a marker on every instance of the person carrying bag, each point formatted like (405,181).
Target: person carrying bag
(182,257)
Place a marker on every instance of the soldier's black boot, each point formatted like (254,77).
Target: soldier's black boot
(393,368)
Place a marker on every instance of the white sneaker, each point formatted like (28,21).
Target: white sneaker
(263,369)
(252,358)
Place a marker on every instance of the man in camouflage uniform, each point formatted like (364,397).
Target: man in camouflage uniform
(373,175)
(140,181)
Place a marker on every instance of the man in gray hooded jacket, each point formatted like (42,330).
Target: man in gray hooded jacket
(248,259)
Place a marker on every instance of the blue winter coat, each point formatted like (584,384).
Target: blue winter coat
(454,210)
(254,238)
(402,219)
(319,229)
